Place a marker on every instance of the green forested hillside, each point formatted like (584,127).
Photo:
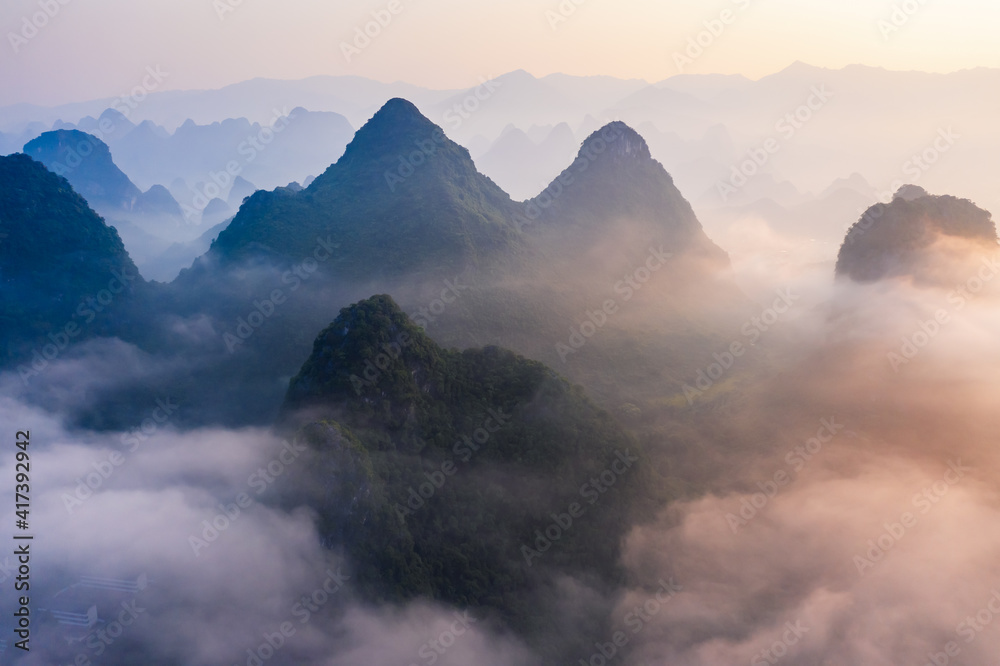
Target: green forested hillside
(65,272)
(467,476)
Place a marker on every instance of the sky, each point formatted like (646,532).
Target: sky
(60,51)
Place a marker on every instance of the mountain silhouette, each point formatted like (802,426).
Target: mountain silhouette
(916,235)
(406,437)
(66,274)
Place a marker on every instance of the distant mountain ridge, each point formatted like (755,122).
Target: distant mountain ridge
(404,211)
(86,162)
(683,108)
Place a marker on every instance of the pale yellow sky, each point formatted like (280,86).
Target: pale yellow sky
(100,48)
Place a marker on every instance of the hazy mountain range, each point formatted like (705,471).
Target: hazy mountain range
(531,416)
(707,130)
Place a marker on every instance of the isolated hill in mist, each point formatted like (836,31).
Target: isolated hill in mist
(917,235)
(530,441)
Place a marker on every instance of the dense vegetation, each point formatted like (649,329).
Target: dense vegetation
(894,239)
(56,258)
(435,467)
(403,199)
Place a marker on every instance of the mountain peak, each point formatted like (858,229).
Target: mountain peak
(619,141)
(117,119)
(399,166)
(396,129)
(614,177)
(517,76)
(397,110)
(910,193)
(338,367)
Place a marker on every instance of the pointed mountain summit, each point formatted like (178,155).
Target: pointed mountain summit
(341,367)
(397,125)
(157,201)
(615,179)
(241,189)
(917,235)
(402,198)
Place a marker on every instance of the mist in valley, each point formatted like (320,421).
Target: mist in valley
(526,370)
